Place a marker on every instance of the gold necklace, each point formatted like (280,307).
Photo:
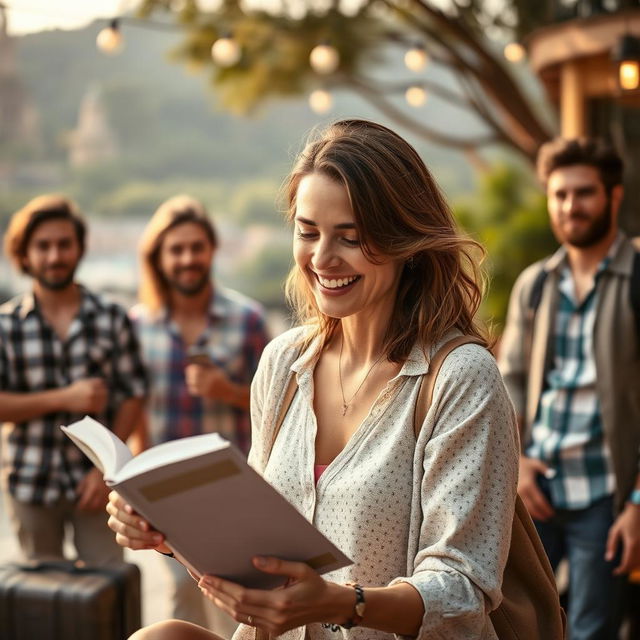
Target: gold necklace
(345,404)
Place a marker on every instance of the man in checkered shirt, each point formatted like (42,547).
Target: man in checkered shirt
(570,356)
(201,344)
(64,352)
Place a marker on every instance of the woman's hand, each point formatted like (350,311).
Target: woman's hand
(306,598)
(131,530)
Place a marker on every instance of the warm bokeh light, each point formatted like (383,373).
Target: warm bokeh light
(226,52)
(514,52)
(629,75)
(110,40)
(416,96)
(320,101)
(324,59)
(416,58)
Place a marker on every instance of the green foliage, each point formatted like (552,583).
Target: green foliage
(508,216)
(275,60)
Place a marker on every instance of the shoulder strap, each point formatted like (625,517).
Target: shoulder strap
(287,398)
(634,291)
(536,291)
(425,395)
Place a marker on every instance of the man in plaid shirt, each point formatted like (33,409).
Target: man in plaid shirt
(570,356)
(201,344)
(64,352)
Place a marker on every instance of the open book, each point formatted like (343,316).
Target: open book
(215,511)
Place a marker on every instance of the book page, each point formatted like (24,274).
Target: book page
(169,452)
(100,445)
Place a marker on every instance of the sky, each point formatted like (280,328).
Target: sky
(30,16)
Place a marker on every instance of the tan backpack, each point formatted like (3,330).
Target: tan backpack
(530,607)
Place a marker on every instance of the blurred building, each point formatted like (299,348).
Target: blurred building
(93,140)
(577,56)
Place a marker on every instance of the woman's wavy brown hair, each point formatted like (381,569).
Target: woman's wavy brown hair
(153,290)
(399,214)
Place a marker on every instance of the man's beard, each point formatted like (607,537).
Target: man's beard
(57,284)
(597,229)
(192,289)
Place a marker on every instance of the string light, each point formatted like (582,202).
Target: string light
(416,58)
(324,59)
(320,101)
(514,52)
(110,40)
(416,96)
(226,52)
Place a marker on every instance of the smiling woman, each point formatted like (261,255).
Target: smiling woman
(382,280)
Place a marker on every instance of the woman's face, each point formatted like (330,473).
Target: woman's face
(327,250)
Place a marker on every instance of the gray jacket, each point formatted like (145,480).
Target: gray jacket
(526,356)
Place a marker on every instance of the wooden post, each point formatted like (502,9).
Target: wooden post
(572,100)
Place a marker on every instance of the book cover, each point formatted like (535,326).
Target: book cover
(215,511)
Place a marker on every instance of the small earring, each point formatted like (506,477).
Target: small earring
(410,263)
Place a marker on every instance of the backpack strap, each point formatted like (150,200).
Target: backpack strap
(425,395)
(535,295)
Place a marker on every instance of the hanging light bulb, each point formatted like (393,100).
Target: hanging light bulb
(514,52)
(416,96)
(627,54)
(629,75)
(226,52)
(324,59)
(416,58)
(110,39)
(320,101)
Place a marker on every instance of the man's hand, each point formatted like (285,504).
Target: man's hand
(208,381)
(528,490)
(92,492)
(88,395)
(625,530)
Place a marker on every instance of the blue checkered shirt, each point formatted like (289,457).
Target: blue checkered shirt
(567,433)
(233,339)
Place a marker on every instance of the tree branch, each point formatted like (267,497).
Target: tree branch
(386,107)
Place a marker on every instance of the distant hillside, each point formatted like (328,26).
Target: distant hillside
(166,120)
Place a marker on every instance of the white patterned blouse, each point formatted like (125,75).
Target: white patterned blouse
(436,514)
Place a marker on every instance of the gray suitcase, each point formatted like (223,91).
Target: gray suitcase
(60,601)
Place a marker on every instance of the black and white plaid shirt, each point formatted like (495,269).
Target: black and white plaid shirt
(39,463)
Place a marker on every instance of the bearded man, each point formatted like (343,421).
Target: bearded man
(570,356)
(201,344)
(64,352)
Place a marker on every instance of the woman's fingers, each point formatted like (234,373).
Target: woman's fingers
(279,567)
(241,610)
(131,530)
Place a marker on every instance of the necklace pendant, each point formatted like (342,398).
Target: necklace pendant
(344,409)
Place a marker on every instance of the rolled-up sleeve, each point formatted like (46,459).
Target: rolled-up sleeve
(467,497)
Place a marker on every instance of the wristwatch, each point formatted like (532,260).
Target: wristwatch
(634,498)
